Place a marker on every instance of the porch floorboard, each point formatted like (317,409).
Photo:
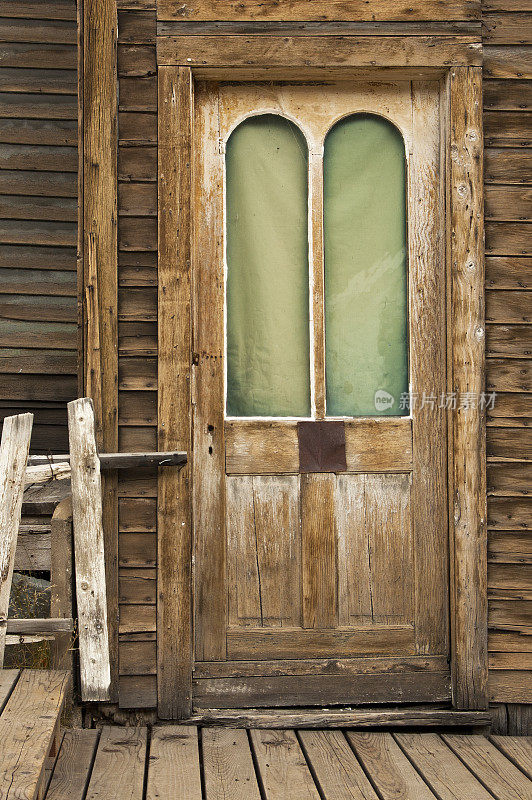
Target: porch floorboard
(173,762)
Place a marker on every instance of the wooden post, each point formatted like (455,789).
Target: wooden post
(61,580)
(174,564)
(89,552)
(99,240)
(467,437)
(14,449)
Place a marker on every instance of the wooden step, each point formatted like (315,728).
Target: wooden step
(29,731)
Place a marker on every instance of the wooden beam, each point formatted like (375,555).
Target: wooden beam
(45,472)
(467,439)
(14,448)
(300,10)
(89,550)
(421,717)
(99,146)
(174,562)
(318,51)
(172,458)
(40,626)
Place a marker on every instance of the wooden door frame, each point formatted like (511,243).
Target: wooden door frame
(461,113)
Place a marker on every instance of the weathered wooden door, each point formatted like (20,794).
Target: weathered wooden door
(321,550)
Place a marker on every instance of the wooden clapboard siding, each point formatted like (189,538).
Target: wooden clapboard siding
(38,215)
(137,332)
(508,177)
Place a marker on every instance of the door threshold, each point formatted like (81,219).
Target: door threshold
(411,717)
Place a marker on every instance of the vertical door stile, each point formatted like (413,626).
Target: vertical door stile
(428,370)
(317,281)
(209,446)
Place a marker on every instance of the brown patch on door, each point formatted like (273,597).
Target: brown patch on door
(321,446)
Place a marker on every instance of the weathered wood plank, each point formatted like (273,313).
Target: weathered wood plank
(508,444)
(46,55)
(340,718)
(99,190)
(283,771)
(134,59)
(335,767)
(502,779)
(119,764)
(440,768)
(317,690)
(508,307)
(53,81)
(518,750)
(208,382)
(318,551)
(507,62)
(467,442)
(137,27)
(510,686)
(14,449)
(388,10)
(26,738)
(72,769)
(509,479)
(282,643)
(506,29)
(391,771)
(508,203)
(174,522)
(263,550)
(61,567)
(174,768)
(316,666)
(513,272)
(37,9)
(138,691)
(37,30)
(379,445)
(89,549)
(8,679)
(228,765)
(502,95)
(318,51)
(508,129)
(512,513)
(137,163)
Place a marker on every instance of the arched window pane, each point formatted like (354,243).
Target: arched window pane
(365,268)
(268,365)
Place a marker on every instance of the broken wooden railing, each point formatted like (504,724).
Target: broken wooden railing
(83,467)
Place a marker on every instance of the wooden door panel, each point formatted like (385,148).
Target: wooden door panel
(375,558)
(263,551)
(310,690)
(271,447)
(320,551)
(283,643)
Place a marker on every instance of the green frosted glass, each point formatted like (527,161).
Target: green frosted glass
(268,364)
(365,268)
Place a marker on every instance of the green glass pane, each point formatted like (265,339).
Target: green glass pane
(268,364)
(365,268)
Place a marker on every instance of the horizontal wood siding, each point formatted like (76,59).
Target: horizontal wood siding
(137,330)
(38,215)
(508,180)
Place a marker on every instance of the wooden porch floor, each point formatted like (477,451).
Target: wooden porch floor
(173,762)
